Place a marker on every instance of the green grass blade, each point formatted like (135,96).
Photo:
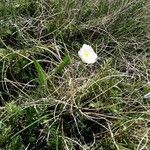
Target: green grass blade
(41,73)
(66,61)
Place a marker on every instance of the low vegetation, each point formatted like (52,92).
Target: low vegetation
(50,99)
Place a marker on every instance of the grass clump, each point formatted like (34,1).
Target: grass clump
(49,99)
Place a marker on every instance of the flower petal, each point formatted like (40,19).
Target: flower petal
(87,47)
(87,54)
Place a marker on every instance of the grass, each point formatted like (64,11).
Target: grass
(49,99)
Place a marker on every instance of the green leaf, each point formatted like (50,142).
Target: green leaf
(41,73)
(66,61)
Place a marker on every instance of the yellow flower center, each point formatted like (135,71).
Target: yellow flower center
(86,54)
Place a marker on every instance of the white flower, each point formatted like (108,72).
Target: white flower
(147,95)
(87,54)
